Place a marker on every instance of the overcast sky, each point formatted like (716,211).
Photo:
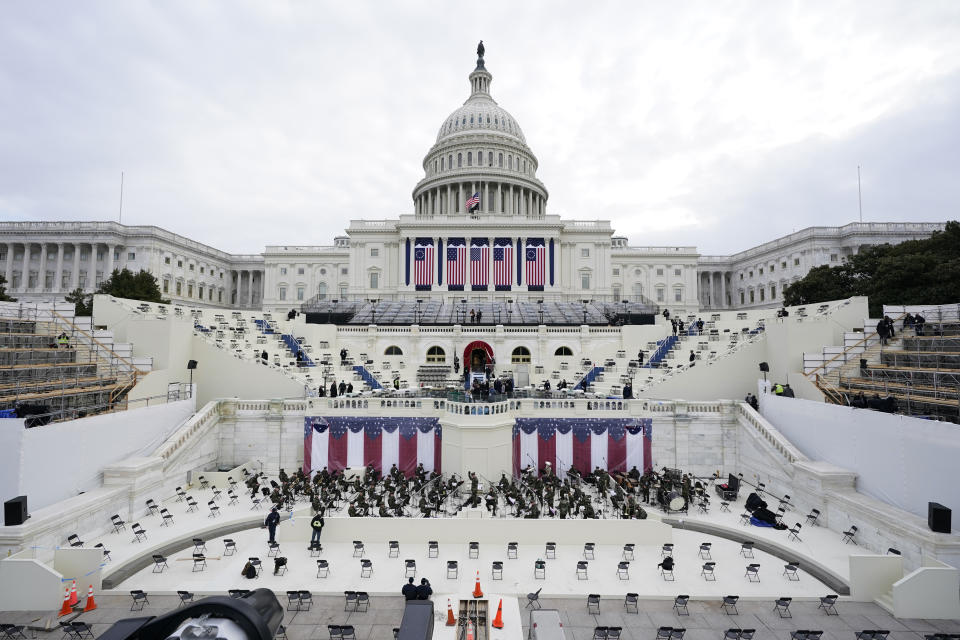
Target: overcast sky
(242,124)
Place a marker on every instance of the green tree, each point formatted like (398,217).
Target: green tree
(914,272)
(133,286)
(82,302)
(3,290)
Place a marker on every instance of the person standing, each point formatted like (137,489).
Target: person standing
(317,525)
(273,519)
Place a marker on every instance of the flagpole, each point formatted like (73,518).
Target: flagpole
(859,194)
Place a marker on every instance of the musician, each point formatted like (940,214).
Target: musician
(491,502)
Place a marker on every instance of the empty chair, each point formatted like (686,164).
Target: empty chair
(680,605)
(216,493)
(732,634)
(358,548)
(790,570)
(192,505)
(68,631)
(745,518)
(74,540)
(199,562)
(628,552)
(152,507)
(746,549)
(729,605)
(725,506)
(813,517)
(349,600)
(588,551)
(453,569)
(199,546)
(409,568)
(82,629)
(747,634)
(335,632)
(167,517)
(393,549)
(293,601)
(540,570)
(663,633)
(533,599)
(185,597)
(599,633)
(204,483)
(363,601)
(118,524)
(306,600)
(214,509)
(315,549)
(593,603)
(705,551)
(106,552)
(753,572)
(139,599)
(666,550)
(893,552)
(473,550)
(551,550)
(866,634)
(234,499)
(677,633)
(828,604)
(631,603)
(782,606)
(613,633)
(181,494)
(848,535)
(433,549)
(140,534)
(229,547)
(347,632)
(623,570)
(366,568)
(795,533)
(273,549)
(159,563)
(13,631)
(707,571)
(581,570)
(512,550)
(323,568)
(496,570)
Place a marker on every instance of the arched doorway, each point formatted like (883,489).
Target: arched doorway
(477,356)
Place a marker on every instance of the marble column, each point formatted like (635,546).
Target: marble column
(57,275)
(42,270)
(110,249)
(8,270)
(75,277)
(25,269)
(250,292)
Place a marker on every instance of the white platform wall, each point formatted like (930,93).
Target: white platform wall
(899,460)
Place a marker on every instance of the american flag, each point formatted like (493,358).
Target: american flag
(479,264)
(473,201)
(502,265)
(536,261)
(423,263)
(456,263)
(354,442)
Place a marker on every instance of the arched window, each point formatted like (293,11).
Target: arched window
(436,354)
(500,161)
(471,118)
(490,158)
(509,162)
(563,351)
(459,160)
(520,355)
(434,166)
(322,291)
(469,158)
(450,161)
(393,351)
(442,167)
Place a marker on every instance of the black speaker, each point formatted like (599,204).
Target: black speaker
(15,511)
(764,367)
(938,517)
(191,364)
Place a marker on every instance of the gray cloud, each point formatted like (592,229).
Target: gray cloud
(243,124)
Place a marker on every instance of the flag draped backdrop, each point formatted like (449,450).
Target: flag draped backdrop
(614,444)
(349,442)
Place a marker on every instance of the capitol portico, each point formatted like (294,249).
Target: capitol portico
(479,231)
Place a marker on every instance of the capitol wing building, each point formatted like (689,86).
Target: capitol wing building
(479,232)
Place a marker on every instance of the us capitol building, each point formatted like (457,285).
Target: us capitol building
(479,231)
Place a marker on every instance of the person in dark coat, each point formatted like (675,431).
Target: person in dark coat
(273,519)
(409,590)
(424,591)
(317,525)
(333,389)
(342,387)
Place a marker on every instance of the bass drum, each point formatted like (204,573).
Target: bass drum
(675,501)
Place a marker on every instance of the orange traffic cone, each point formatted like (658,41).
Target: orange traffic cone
(498,621)
(74,598)
(469,630)
(91,605)
(66,608)
(451,621)
(477,592)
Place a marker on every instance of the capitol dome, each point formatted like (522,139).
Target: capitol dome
(480,153)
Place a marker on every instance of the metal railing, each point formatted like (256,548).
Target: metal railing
(176,392)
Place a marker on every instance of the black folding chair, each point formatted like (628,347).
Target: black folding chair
(185,597)
(139,599)
(730,604)
(753,572)
(680,605)
(159,563)
(534,599)
(848,535)
(631,603)
(118,524)
(74,540)
(828,604)
(664,633)
(593,603)
(782,607)
(349,600)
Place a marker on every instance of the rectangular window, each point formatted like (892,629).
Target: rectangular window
(99,255)
(833,257)
(300,271)
(773,292)
(616,272)
(584,281)
(343,291)
(131,255)
(82,280)
(201,270)
(678,295)
(210,297)
(166,286)
(796,262)
(343,271)
(189,290)
(773,268)
(283,293)
(741,275)
(179,288)
(299,293)
(763,294)
(659,294)
(751,297)
(761,270)
(65,281)
(741,297)
(374,252)
(283,271)
(200,292)
(98,278)
(750,274)
(84,256)
(676,272)
(585,253)
(783,265)
(180,264)
(32,280)
(166,260)
(659,272)
(191,266)
(374,280)
(219,296)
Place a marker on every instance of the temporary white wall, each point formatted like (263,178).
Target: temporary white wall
(57,461)
(929,592)
(872,576)
(82,565)
(29,585)
(220,374)
(900,460)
